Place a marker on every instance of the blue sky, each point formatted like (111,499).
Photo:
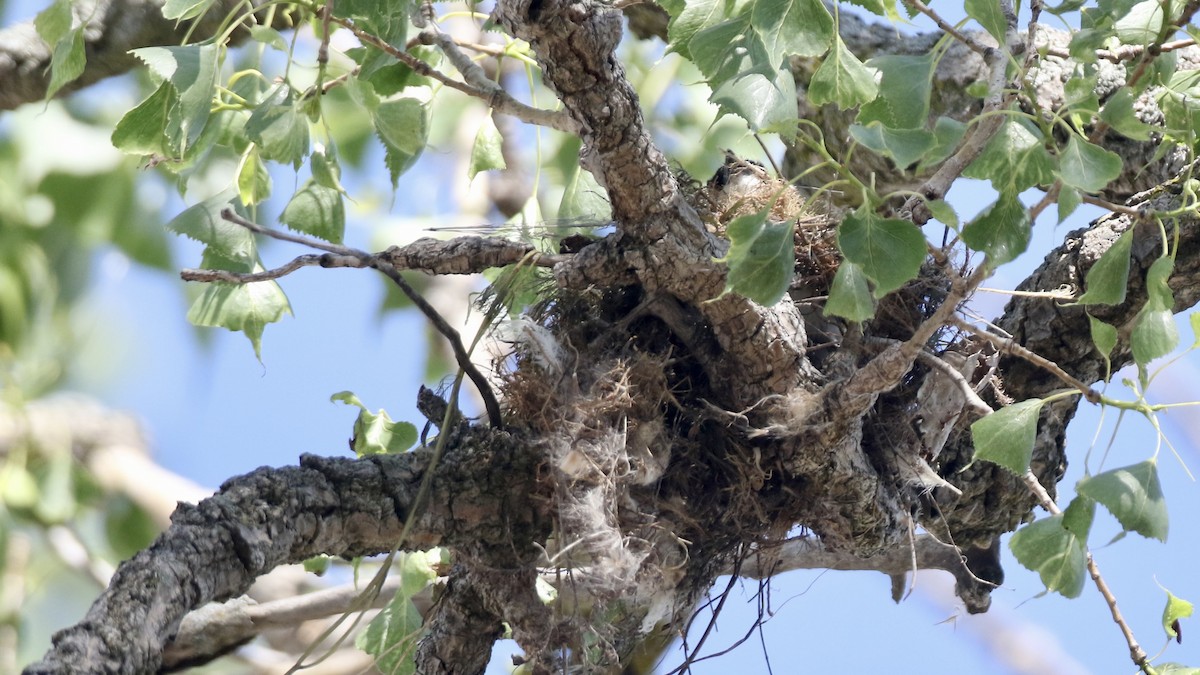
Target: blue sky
(213,411)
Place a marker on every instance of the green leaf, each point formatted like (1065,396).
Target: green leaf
(486,153)
(376,433)
(583,197)
(143,130)
(1132,494)
(183,10)
(279,127)
(1002,232)
(1006,436)
(889,251)
(766,103)
(1088,167)
(1108,279)
(801,27)
(1141,24)
(943,213)
(247,308)
(1154,332)
(1069,199)
(1194,319)
(317,565)
(54,22)
(947,134)
(1176,609)
(127,526)
(1014,160)
(762,257)
(849,296)
(392,635)
(904,146)
(988,14)
(1118,112)
(57,504)
(1104,336)
(1054,552)
(904,90)
(403,125)
(1078,517)
(325,170)
(192,71)
(253,181)
(316,210)
(67,62)
(203,222)
(842,79)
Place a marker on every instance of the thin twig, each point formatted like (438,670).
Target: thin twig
(460,353)
(1136,653)
(1008,346)
(491,93)
(934,361)
(974,45)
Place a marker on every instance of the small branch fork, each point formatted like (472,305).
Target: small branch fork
(386,262)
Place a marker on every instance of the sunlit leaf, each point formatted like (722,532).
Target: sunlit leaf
(253,181)
(988,14)
(279,127)
(203,222)
(403,125)
(245,308)
(801,27)
(1119,113)
(1154,332)
(1104,336)
(1014,160)
(143,130)
(1176,609)
(1078,517)
(904,90)
(1133,495)
(486,151)
(374,432)
(842,79)
(1006,436)
(192,71)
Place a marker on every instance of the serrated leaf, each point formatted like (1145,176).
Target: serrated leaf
(279,127)
(988,14)
(316,210)
(766,103)
(849,295)
(374,432)
(184,10)
(1133,495)
(486,152)
(1014,160)
(403,125)
(1086,166)
(192,71)
(392,635)
(904,146)
(1006,436)
(1002,232)
(203,222)
(762,257)
(889,251)
(1154,332)
(1054,552)
(325,170)
(801,27)
(842,79)
(253,181)
(1108,279)
(143,130)
(1140,24)
(1104,336)
(247,308)
(1118,112)
(1078,517)
(904,90)
(1176,609)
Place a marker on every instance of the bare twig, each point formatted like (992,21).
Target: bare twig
(975,45)
(461,356)
(1008,346)
(487,90)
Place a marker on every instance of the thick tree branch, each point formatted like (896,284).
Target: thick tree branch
(270,517)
